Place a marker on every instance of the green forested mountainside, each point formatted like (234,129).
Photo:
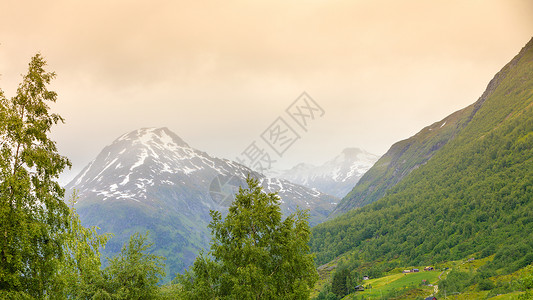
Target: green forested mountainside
(473,197)
(408,155)
(124,220)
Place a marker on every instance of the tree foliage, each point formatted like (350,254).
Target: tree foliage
(81,265)
(341,284)
(254,254)
(33,215)
(134,273)
(45,252)
(526,283)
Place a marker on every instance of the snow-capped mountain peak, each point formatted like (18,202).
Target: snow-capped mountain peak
(154,136)
(136,161)
(142,161)
(336,176)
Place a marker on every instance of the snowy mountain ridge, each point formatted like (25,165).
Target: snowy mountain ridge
(161,149)
(335,177)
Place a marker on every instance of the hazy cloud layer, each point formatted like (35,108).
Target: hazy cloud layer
(219,72)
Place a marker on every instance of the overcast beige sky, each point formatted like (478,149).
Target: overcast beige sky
(218,73)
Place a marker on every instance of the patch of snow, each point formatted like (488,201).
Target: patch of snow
(188,170)
(166,168)
(167,141)
(107,166)
(126,180)
(84,173)
(123,137)
(145,182)
(142,157)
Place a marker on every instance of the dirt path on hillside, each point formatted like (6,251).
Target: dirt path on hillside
(436,286)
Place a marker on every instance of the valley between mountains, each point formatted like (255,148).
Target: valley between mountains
(461,188)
